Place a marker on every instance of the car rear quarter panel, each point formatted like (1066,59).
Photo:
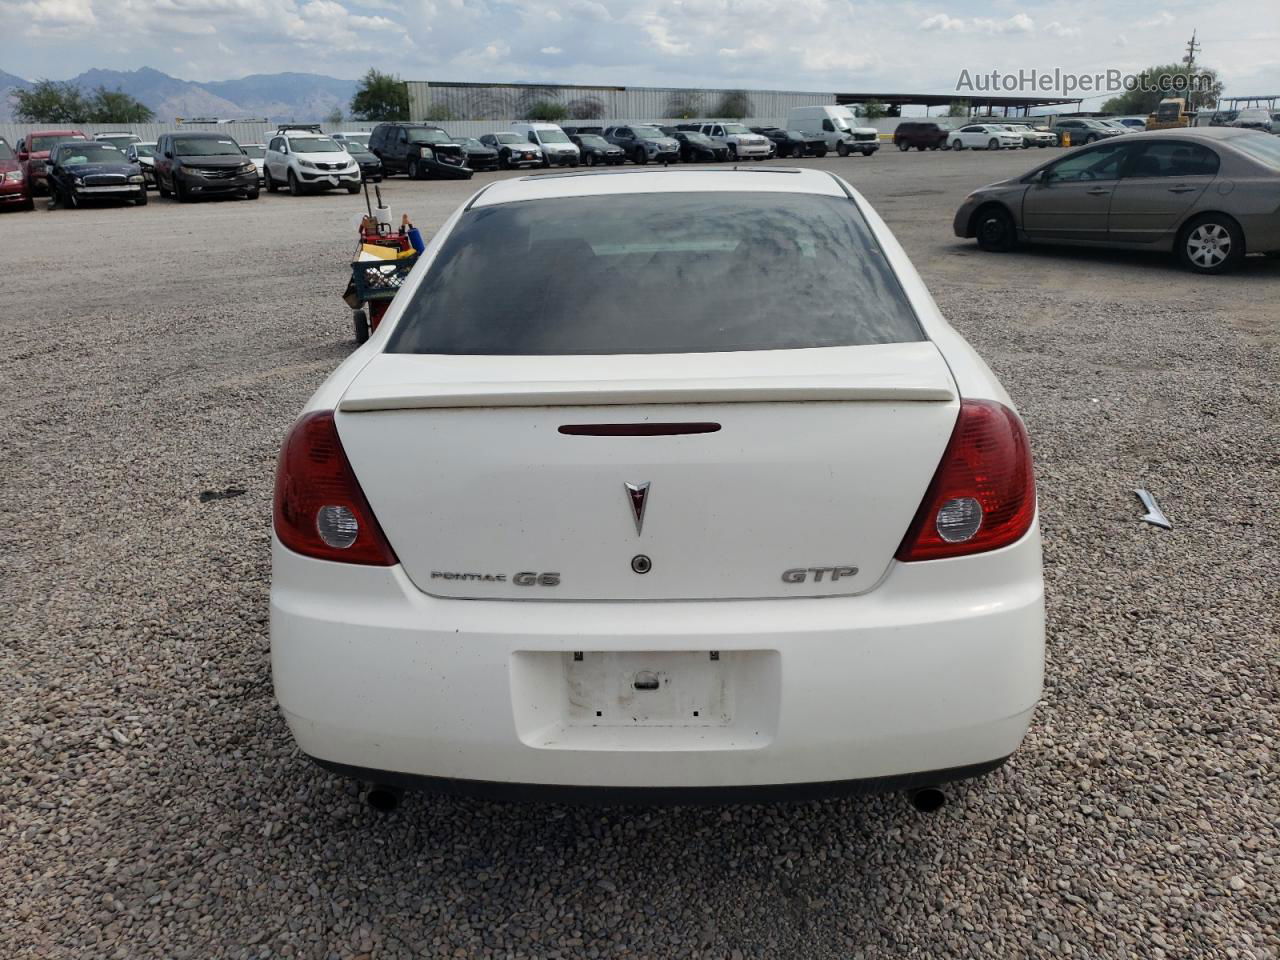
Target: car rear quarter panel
(973,377)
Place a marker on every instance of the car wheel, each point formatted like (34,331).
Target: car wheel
(733,153)
(820,152)
(72,200)
(360,324)
(179,191)
(640,156)
(351,188)
(161,188)
(1090,139)
(251,195)
(957,145)
(590,160)
(1211,243)
(994,229)
(842,149)
(1025,145)
(295,188)
(904,146)
(412,171)
(993,144)
(142,200)
(271,183)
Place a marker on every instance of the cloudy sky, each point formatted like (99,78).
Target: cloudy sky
(781,44)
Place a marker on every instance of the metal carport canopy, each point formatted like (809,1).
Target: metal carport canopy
(945,99)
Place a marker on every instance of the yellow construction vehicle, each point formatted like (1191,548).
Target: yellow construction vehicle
(1171,113)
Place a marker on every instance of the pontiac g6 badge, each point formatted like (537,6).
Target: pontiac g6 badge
(638,497)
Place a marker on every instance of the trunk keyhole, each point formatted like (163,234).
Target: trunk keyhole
(646,680)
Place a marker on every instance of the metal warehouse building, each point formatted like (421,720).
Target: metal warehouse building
(431,100)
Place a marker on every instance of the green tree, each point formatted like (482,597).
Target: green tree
(586,108)
(51,102)
(958,108)
(1137,101)
(380,96)
(439,110)
(334,117)
(735,104)
(874,110)
(546,111)
(116,106)
(684,104)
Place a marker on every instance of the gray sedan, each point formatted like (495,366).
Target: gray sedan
(1208,194)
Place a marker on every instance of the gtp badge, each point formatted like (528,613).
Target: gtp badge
(638,496)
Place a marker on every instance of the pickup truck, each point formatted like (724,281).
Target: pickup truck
(33,154)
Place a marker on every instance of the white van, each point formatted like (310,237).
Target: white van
(557,148)
(838,125)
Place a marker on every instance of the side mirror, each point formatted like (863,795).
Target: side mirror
(168,154)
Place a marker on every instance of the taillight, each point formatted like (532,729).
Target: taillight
(984,494)
(320,510)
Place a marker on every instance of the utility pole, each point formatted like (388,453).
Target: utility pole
(1192,47)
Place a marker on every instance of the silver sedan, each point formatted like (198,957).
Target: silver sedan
(1207,194)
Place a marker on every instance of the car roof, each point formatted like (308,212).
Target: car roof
(199,135)
(667,180)
(1192,133)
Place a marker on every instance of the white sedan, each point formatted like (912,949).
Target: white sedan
(545,536)
(984,136)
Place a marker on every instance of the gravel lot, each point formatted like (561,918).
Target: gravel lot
(152,803)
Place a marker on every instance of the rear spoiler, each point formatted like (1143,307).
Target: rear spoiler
(590,393)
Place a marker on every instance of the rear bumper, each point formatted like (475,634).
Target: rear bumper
(938,668)
(657,796)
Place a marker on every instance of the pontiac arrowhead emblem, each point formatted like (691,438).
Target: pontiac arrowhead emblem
(638,496)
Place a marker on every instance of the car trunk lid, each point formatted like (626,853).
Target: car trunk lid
(737,475)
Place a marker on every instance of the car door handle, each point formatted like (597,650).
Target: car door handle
(1097,192)
(1181,188)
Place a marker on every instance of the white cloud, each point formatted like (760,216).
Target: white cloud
(940,21)
(59,13)
(1161,19)
(1018,23)
(551,51)
(1056,29)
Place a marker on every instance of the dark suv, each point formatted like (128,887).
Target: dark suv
(418,151)
(191,165)
(921,134)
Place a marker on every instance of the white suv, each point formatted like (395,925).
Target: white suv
(742,142)
(304,159)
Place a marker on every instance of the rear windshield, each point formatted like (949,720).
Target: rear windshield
(1261,147)
(657,273)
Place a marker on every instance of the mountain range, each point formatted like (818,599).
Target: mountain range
(275,96)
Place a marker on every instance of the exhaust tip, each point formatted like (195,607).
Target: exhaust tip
(383,798)
(928,799)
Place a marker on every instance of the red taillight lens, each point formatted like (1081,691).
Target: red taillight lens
(984,493)
(320,510)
